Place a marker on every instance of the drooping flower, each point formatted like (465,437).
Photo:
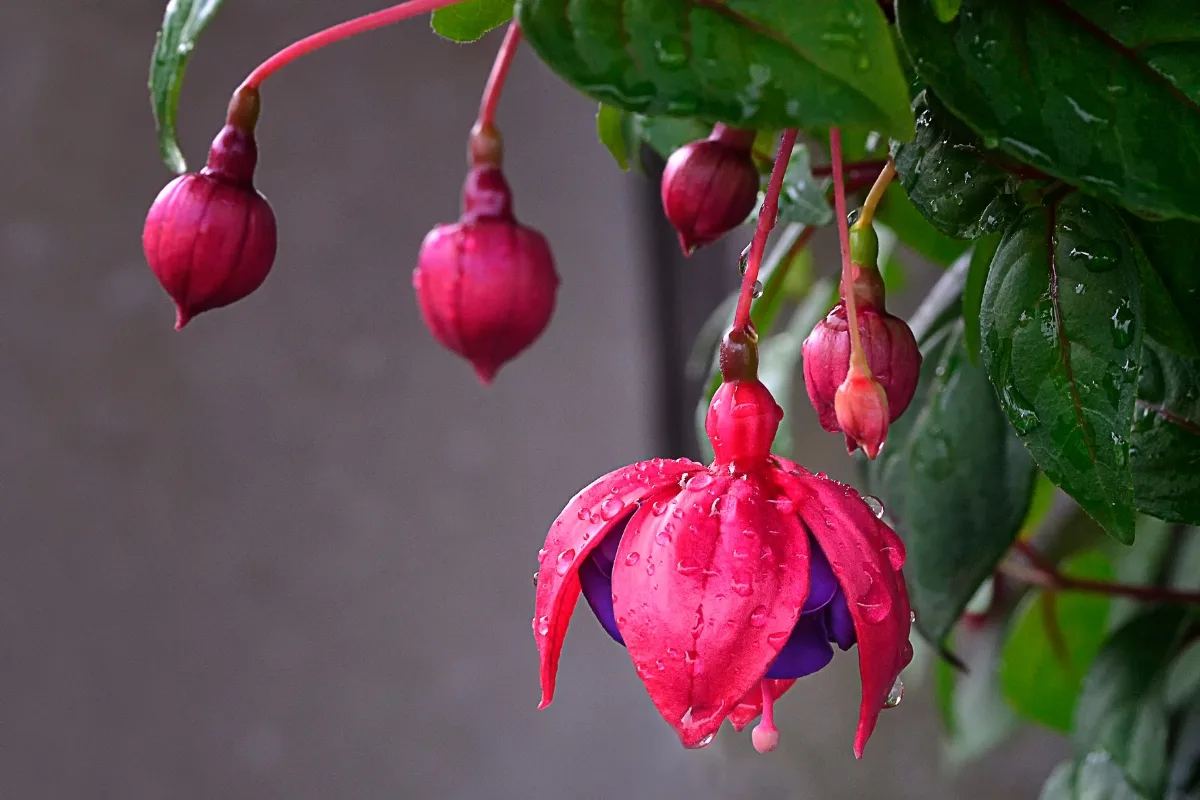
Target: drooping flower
(893,359)
(709,186)
(210,236)
(486,284)
(728,582)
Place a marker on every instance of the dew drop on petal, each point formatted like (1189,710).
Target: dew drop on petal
(778,639)
(610,508)
(541,555)
(631,559)
(784,505)
(535,576)
(583,514)
(706,741)
(742,583)
(687,569)
(700,481)
(875,504)
(758,617)
(565,559)
(912,616)
(658,508)
(649,569)
(895,694)
(543,625)
(662,538)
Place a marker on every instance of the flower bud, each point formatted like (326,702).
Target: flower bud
(861,407)
(486,284)
(709,187)
(742,421)
(892,356)
(210,237)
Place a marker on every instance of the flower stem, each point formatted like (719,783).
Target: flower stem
(876,194)
(857,358)
(766,221)
(345,30)
(1041,572)
(495,81)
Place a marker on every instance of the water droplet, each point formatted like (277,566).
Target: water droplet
(1023,418)
(610,508)
(744,258)
(631,559)
(686,569)
(649,569)
(875,602)
(758,617)
(535,576)
(698,482)
(875,504)
(660,665)
(583,514)
(706,741)
(742,583)
(778,639)
(784,505)
(670,53)
(863,63)
(1099,257)
(662,538)
(895,694)
(565,559)
(912,616)
(542,625)
(658,508)
(757,290)
(541,555)
(1122,325)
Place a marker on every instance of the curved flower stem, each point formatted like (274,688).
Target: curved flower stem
(858,359)
(876,194)
(499,73)
(766,221)
(1043,573)
(345,30)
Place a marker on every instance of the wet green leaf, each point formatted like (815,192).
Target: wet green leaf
(1062,337)
(981,263)
(752,63)
(803,198)
(946,10)
(469,20)
(613,128)
(954,479)
(1095,777)
(1105,99)
(1165,452)
(1040,682)
(914,231)
(963,190)
(665,135)
(1172,291)
(1121,709)
(182,24)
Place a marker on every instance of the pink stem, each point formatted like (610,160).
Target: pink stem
(345,30)
(766,221)
(857,358)
(495,81)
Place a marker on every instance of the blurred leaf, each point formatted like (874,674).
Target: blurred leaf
(614,129)
(1095,777)
(914,231)
(1037,683)
(1141,563)
(665,135)
(979,719)
(1165,446)
(1061,328)
(468,20)
(1121,709)
(963,190)
(1079,112)
(771,64)
(953,477)
(982,254)
(1184,779)
(946,10)
(183,22)
(803,198)
(1039,505)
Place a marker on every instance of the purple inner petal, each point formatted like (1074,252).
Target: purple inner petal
(825,617)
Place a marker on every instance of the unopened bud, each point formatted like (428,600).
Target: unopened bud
(709,187)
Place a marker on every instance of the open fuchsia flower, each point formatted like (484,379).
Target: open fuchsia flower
(709,187)
(728,582)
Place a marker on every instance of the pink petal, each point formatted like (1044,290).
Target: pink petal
(866,556)
(578,529)
(713,593)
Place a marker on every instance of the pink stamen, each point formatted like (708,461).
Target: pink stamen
(765,735)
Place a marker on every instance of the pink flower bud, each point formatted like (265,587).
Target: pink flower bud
(742,421)
(210,237)
(709,187)
(892,355)
(486,284)
(861,407)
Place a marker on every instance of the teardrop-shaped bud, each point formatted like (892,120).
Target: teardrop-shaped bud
(861,408)
(210,237)
(709,187)
(486,284)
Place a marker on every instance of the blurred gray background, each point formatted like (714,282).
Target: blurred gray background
(287,553)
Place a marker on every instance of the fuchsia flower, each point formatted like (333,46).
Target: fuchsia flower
(709,186)
(728,582)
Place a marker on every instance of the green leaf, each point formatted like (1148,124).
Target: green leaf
(1172,292)
(803,197)
(182,24)
(1106,100)
(1042,668)
(665,135)
(1165,452)
(981,263)
(946,10)
(1142,563)
(978,718)
(897,212)
(1062,337)
(469,20)
(1184,778)
(613,130)
(751,63)
(1095,777)
(954,479)
(961,188)
(1121,708)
